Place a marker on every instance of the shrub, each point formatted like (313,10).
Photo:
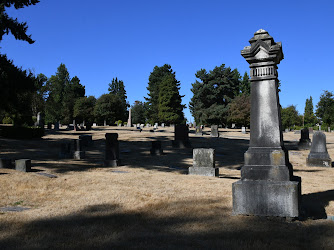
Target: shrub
(7,120)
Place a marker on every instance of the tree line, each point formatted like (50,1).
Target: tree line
(220,96)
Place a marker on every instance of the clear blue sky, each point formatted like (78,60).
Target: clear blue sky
(103,39)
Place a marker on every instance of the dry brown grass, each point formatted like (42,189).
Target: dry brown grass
(150,202)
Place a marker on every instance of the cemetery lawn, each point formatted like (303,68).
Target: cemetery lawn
(150,201)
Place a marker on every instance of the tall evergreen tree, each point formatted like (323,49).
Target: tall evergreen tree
(8,24)
(84,109)
(239,110)
(212,94)
(245,85)
(309,116)
(107,108)
(138,113)
(325,107)
(170,101)
(117,88)
(154,82)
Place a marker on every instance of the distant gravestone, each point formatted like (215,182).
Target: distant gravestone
(94,124)
(104,123)
(204,162)
(6,163)
(286,130)
(156,148)
(79,153)
(329,129)
(199,131)
(56,127)
(40,120)
(243,130)
(214,131)
(112,150)
(318,156)
(267,186)
(65,150)
(310,130)
(49,126)
(181,136)
(233,125)
(23,165)
(129,119)
(304,141)
(162,125)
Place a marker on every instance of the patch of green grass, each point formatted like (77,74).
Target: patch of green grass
(18,203)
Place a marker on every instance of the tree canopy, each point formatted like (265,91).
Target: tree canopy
(117,88)
(290,117)
(138,113)
(325,107)
(309,116)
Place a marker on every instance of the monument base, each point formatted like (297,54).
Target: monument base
(304,144)
(79,155)
(318,162)
(267,198)
(181,144)
(112,163)
(204,171)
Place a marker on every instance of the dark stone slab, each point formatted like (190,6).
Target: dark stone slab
(13,209)
(65,150)
(87,140)
(181,132)
(23,165)
(47,175)
(6,163)
(266,198)
(112,150)
(304,141)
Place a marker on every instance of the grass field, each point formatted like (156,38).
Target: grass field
(150,201)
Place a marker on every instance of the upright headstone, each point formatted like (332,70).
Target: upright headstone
(23,165)
(204,162)
(57,126)
(49,126)
(112,150)
(267,186)
(318,156)
(199,130)
(65,150)
(329,129)
(104,123)
(74,126)
(181,136)
(94,124)
(40,120)
(129,119)
(304,141)
(214,131)
(86,140)
(233,125)
(6,163)
(243,130)
(162,125)
(79,153)
(156,148)
(310,130)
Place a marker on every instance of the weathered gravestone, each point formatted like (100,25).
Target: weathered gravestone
(214,131)
(129,119)
(162,125)
(181,136)
(233,125)
(329,129)
(304,141)
(318,156)
(6,163)
(243,130)
(156,148)
(40,120)
(267,186)
(199,130)
(112,150)
(310,130)
(23,165)
(65,150)
(79,153)
(204,162)
(56,126)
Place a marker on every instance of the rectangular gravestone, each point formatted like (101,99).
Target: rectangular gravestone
(87,140)
(204,162)
(79,153)
(214,131)
(199,131)
(23,165)
(156,148)
(65,150)
(6,163)
(181,136)
(243,130)
(112,150)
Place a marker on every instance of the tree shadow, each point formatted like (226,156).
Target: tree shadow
(166,225)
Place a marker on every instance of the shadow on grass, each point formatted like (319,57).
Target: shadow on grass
(195,224)
(314,204)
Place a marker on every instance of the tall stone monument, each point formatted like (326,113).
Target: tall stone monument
(267,186)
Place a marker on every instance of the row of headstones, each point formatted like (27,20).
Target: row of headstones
(75,150)
(214,130)
(23,165)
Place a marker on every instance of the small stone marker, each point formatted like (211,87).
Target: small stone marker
(94,124)
(329,129)
(40,120)
(233,125)
(23,165)
(181,136)
(310,130)
(56,127)
(112,150)
(13,209)
(79,153)
(129,119)
(199,131)
(6,163)
(318,156)
(214,131)
(243,130)
(304,141)
(286,130)
(267,186)
(156,148)
(163,125)
(49,125)
(65,150)
(204,162)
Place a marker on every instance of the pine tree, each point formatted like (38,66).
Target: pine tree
(309,116)
(245,85)
(8,24)
(83,110)
(117,88)
(138,113)
(106,108)
(325,107)
(170,106)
